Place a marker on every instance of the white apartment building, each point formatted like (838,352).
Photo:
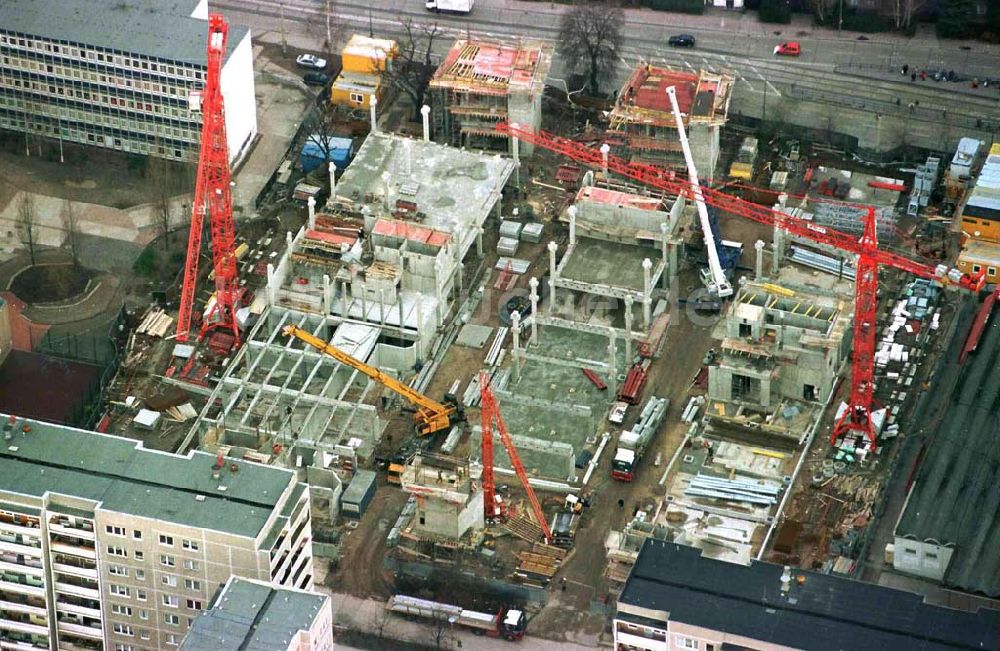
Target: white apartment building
(249,615)
(107,545)
(118,74)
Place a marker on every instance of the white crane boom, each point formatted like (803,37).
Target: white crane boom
(719,285)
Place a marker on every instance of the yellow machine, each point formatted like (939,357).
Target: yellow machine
(430,417)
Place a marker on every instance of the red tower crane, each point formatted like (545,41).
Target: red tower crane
(212,196)
(491,417)
(857,416)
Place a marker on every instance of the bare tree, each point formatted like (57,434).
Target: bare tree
(413,67)
(71,226)
(590,37)
(28,224)
(823,9)
(905,11)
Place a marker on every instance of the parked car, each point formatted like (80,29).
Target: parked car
(311,61)
(788,49)
(681,40)
(316,79)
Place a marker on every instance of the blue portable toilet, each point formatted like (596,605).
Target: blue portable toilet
(341,151)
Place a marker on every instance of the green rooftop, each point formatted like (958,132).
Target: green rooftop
(120,475)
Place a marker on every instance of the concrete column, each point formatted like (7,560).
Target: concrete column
(420,326)
(364,305)
(647,301)
(605,150)
(272,290)
(327,294)
(612,366)
(571,211)
(778,250)
(515,152)
(333,182)
(460,272)
(664,230)
(288,242)
(343,298)
(425,113)
(311,202)
(515,320)
(371,109)
(479,241)
(628,327)
(759,268)
(381,306)
(552,274)
(533,284)
(402,319)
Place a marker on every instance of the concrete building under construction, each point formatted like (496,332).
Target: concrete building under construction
(378,276)
(481,83)
(643,115)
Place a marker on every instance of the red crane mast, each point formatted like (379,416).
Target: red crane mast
(491,416)
(857,417)
(212,196)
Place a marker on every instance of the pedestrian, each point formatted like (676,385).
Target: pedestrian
(975,83)
(923,75)
(913,76)
(563,586)
(906,68)
(897,101)
(910,106)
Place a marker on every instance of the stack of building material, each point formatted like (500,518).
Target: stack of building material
(533,232)
(510,229)
(815,260)
(182,413)
(156,323)
(538,566)
(517,266)
(759,493)
(507,246)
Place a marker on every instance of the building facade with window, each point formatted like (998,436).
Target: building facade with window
(118,74)
(677,599)
(107,545)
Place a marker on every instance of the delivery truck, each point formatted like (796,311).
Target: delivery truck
(508,622)
(632,444)
(450,6)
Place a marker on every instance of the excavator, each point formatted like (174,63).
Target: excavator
(430,417)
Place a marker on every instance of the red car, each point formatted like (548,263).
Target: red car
(788,49)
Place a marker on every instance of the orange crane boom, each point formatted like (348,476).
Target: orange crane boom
(492,417)
(431,416)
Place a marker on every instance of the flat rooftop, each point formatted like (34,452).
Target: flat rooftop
(120,475)
(454,190)
(253,616)
(493,67)
(829,612)
(163,29)
(955,498)
(606,263)
(984,200)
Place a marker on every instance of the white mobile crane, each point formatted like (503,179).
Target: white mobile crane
(714,277)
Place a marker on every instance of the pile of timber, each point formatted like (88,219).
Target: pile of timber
(539,565)
(524,529)
(156,323)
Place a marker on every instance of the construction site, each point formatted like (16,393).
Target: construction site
(508,349)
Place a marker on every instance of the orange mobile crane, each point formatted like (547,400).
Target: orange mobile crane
(491,416)
(431,416)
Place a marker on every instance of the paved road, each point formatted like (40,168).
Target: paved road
(839,84)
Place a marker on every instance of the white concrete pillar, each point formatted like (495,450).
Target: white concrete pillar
(364,304)
(311,203)
(327,294)
(272,289)
(479,241)
(605,150)
(612,365)
(402,319)
(425,113)
(333,181)
(759,268)
(628,327)
(777,250)
(533,284)
(288,242)
(664,249)
(381,306)
(371,109)
(571,211)
(515,320)
(515,152)
(552,274)
(343,298)
(647,300)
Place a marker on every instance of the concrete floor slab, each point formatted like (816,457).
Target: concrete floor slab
(577,347)
(600,262)
(474,336)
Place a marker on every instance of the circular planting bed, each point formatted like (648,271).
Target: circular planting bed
(50,283)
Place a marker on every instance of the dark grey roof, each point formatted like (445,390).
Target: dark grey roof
(155,28)
(253,616)
(823,613)
(956,496)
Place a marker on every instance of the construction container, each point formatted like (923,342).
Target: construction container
(532,232)
(507,246)
(359,493)
(510,229)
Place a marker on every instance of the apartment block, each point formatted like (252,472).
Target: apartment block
(250,615)
(107,545)
(677,599)
(118,74)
